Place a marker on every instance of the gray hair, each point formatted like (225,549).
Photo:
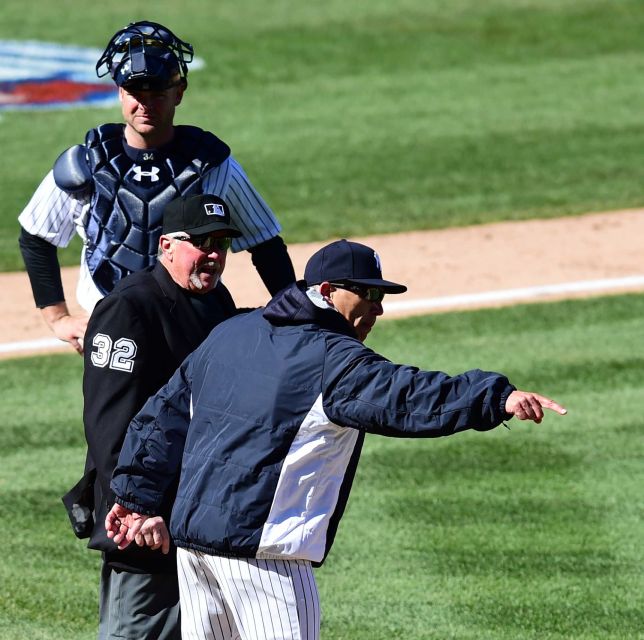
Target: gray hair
(175,235)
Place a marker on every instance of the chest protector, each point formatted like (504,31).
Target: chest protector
(130,193)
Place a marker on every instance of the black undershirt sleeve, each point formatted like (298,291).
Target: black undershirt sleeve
(43,268)
(273,264)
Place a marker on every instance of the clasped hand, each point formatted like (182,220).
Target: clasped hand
(125,526)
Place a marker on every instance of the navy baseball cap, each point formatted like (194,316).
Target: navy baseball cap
(204,213)
(348,262)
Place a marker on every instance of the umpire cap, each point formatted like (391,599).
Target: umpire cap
(348,262)
(198,214)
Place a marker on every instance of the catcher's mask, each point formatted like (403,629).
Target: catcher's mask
(145,56)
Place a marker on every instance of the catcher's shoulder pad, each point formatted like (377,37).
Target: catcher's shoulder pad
(202,147)
(71,170)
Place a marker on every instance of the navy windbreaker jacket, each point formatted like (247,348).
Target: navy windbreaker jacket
(265,422)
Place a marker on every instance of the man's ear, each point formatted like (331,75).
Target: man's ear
(179,97)
(325,289)
(165,244)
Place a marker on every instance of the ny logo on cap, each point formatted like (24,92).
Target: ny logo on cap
(377,257)
(214,209)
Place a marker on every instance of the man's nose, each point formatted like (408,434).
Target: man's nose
(145,101)
(215,253)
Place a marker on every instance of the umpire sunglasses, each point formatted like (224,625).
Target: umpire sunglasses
(371,294)
(205,242)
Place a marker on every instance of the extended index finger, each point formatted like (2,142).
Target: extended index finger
(551,404)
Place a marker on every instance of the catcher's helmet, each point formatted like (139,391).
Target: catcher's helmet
(146,56)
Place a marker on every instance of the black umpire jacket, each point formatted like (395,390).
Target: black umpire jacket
(136,337)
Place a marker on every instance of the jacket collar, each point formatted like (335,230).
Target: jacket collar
(163,278)
(292,306)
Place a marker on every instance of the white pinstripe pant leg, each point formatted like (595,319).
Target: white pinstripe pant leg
(204,613)
(268,599)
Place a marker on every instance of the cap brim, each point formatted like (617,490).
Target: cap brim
(215,226)
(148,84)
(385,285)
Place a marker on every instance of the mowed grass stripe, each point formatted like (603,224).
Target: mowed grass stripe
(43,396)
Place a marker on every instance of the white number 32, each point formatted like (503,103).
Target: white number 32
(119,355)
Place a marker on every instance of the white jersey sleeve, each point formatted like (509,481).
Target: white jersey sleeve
(53,214)
(248,211)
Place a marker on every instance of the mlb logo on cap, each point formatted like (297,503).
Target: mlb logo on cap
(214,209)
(202,213)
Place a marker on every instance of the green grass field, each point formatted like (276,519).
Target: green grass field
(354,119)
(380,116)
(532,533)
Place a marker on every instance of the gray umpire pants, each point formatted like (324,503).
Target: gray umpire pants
(138,606)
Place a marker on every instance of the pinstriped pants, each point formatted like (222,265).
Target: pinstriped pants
(246,599)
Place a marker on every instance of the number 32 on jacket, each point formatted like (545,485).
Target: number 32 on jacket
(118,355)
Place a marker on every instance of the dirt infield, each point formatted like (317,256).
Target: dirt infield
(434,264)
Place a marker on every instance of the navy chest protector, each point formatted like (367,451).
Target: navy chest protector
(129,195)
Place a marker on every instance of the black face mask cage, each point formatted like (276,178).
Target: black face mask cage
(134,40)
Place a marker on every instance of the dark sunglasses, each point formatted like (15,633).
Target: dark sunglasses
(371,294)
(206,242)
